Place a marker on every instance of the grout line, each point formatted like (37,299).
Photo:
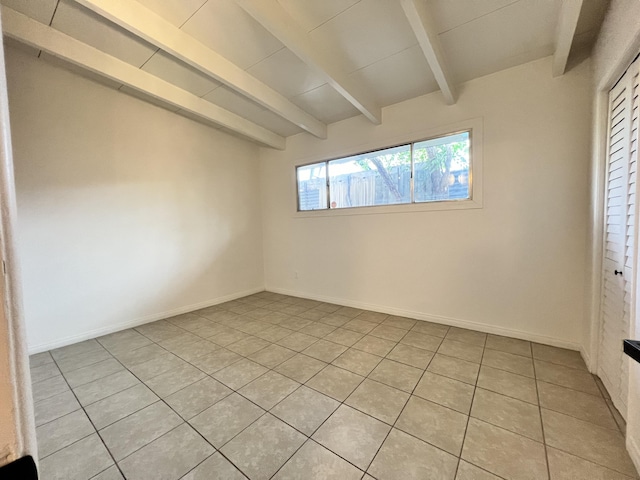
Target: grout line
(92,424)
(248,318)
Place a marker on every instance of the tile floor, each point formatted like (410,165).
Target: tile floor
(270,386)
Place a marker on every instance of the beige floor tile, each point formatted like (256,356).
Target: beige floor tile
(353,435)
(509,345)
(433,423)
(260,450)
(466,471)
(102,388)
(39,359)
(300,367)
(111,409)
(509,384)
(272,356)
(506,412)
(561,356)
(467,336)
(135,431)
(405,457)
(79,348)
(297,341)
(197,397)
(433,329)
(576,404)
(335,382)
(141,355)
(388,332)
(378,400)
(314,462)
(597,444)
(124,341)
(508,362)
(161,455)
(504,453)
(455,368)
(222,338)
(335,320)
(295,323)
(345,337)
(50,387)
(357,361)
(170,382)
(82,360)
(97,371)
(63,431)
(111,473)
(319,330)
(566,377)
(397,375)
(305,409)
(274,333)
(248,346)
(194,350)
(569,467)
(421,340)
(445,391)
(216,467)
(464,351)
(225,419)
(375,317)
(79,461)
(360,326)
(147,370)
(374,345)
(269,389)
(55,407)
(324,350)
(416,357)
(400,322)
(216,360)
(349,312)
(239,374)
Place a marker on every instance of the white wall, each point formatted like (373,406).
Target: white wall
(618,43)
(516,266)
(127,212)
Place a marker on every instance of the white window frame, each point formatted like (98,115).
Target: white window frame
(474,126)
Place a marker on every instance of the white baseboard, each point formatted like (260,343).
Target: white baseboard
(634,451)
(587,359)
(453,322)
(116,327)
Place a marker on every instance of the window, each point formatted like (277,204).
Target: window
(433,170)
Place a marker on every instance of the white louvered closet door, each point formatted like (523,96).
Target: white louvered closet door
(619,237)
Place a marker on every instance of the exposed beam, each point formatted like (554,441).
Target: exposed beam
(56,43)
(425,32)
(146,24)
(566,30)
(271,15)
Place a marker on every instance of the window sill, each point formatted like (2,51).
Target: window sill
(384,209)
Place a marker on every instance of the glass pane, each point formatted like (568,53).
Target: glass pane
(442,169)
(376,178)
(312,187)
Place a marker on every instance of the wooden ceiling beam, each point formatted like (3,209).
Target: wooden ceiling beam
(272,16)
(566,30)
(148,25)
(425,32)
(35,34)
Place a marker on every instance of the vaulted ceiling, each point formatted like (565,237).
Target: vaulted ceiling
(268,69)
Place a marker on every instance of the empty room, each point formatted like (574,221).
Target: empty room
(319,239)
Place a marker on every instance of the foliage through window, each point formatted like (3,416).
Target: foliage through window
(434,170)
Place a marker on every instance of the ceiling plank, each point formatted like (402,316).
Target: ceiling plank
(271,15)
(146,24)
(425,32)
(566,30)
(33,33)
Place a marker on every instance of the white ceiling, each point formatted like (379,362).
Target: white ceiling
(373,38)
